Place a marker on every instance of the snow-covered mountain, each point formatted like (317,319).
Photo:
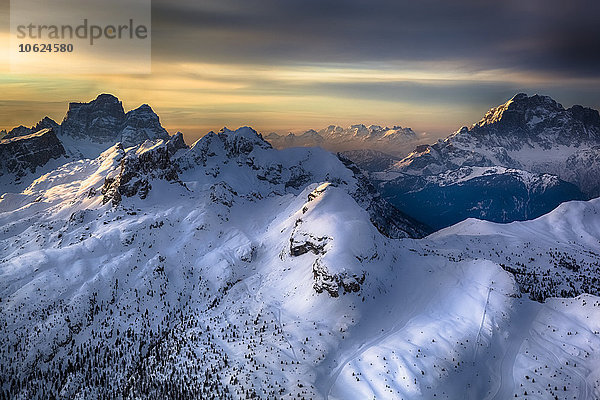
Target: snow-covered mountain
(230,269)
(532,133)
(395,140)
(523,159)
(87,130)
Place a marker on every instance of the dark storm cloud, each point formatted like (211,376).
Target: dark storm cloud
(553,36)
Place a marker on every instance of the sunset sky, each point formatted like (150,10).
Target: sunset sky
(290,65)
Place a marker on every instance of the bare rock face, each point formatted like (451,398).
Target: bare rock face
(325,281)
(140,125)
(23,154)
(104,120)
(47,123)
(99,120)
(20,130)
(302,243)
(222,193)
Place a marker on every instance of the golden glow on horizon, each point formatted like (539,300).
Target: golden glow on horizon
(197,97)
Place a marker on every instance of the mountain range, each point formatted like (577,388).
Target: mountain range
(523,159)
(229,269)
(395,140)
(87,130)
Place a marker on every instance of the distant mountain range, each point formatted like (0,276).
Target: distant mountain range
(395,140)
(88,128)
(519,162)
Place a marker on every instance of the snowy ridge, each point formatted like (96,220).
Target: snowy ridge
(531,180)
(233,270)
(563,251)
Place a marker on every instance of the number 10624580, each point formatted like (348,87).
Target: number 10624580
(45,48)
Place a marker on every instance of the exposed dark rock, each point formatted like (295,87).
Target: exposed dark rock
(18,131)
(222,193)
(333,283)
(47,123)
(140,125)
(242,141)
(301,243)
(104,120)
(100,120)
(23,154)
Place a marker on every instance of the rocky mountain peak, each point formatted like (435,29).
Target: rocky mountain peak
(104,101)
(142,124)
(46,123)
(242,140)
(99,120)
(520,111)
(104,121)
(20,130)
(588,116)
(534,119)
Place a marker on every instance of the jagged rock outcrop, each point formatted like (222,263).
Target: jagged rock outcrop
(47,123)
(325,281)
(23,154)
(138,168)
(17,131)
(87,130)
(141,124)
(44,123)
(303,242)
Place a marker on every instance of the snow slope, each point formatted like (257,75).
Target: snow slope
(233,270)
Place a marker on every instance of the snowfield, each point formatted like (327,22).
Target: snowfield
(234,270)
